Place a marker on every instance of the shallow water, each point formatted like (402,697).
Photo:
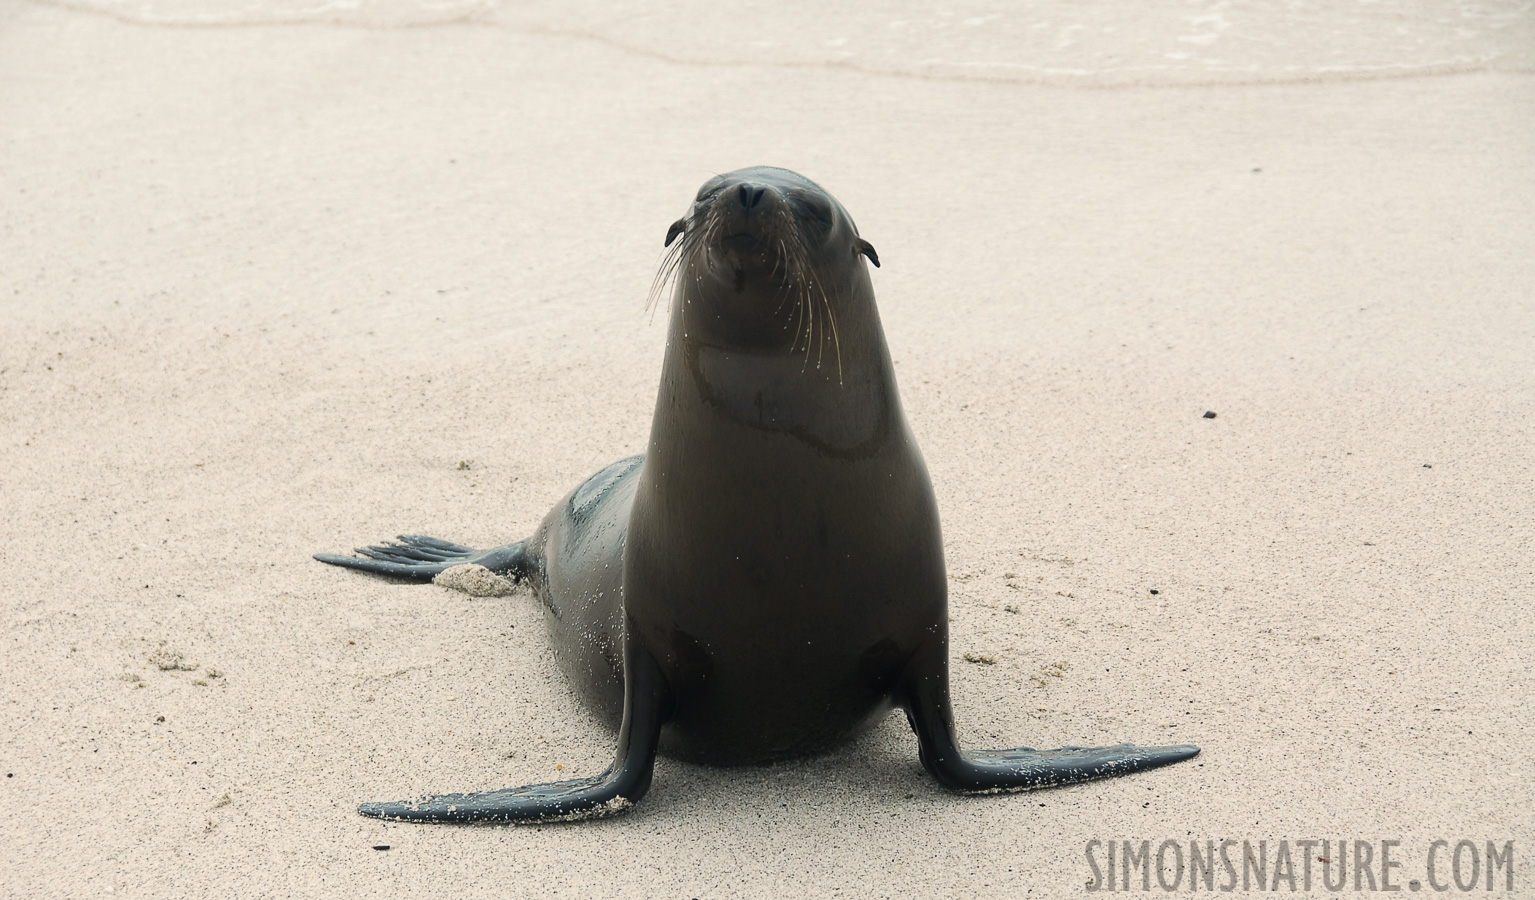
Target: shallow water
(1158,42)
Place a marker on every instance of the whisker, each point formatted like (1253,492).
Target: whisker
(664,276)
(809,329)
(799,307)
(820,344)
(787,290)
(831,314)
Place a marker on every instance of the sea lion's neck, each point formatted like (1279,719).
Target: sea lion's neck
(830,389)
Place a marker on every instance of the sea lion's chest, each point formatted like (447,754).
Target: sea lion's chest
(783,554)
(767,484)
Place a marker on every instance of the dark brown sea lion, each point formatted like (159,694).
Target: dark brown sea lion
(767,580)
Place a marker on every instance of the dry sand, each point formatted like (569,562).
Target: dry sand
(264,288)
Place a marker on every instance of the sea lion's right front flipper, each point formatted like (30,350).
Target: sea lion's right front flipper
(925,695)
(422,558)
(646,706)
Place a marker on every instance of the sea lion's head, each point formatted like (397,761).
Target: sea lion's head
(756,221)
(765,245)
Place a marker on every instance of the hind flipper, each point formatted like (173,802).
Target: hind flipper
(421,558)
(646,704)
(925,695)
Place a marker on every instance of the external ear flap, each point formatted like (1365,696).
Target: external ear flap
(867,249)
(677,228)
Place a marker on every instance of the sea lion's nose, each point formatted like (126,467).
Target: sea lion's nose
(750,195)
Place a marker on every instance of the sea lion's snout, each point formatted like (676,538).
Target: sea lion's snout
(747,210)
(748,206)
(754,224)
(750,196)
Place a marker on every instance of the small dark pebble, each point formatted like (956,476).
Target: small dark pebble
(380,846)
(159,719)
(1155,591)
(1209,414)
(10,774)
(1427,466)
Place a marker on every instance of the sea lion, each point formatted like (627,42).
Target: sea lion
(767,580)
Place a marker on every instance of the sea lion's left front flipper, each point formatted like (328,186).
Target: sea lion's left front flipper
(646,705)
(925,695)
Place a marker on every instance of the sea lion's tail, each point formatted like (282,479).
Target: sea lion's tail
(420,558)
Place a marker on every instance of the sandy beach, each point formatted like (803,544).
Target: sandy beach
(277,281)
